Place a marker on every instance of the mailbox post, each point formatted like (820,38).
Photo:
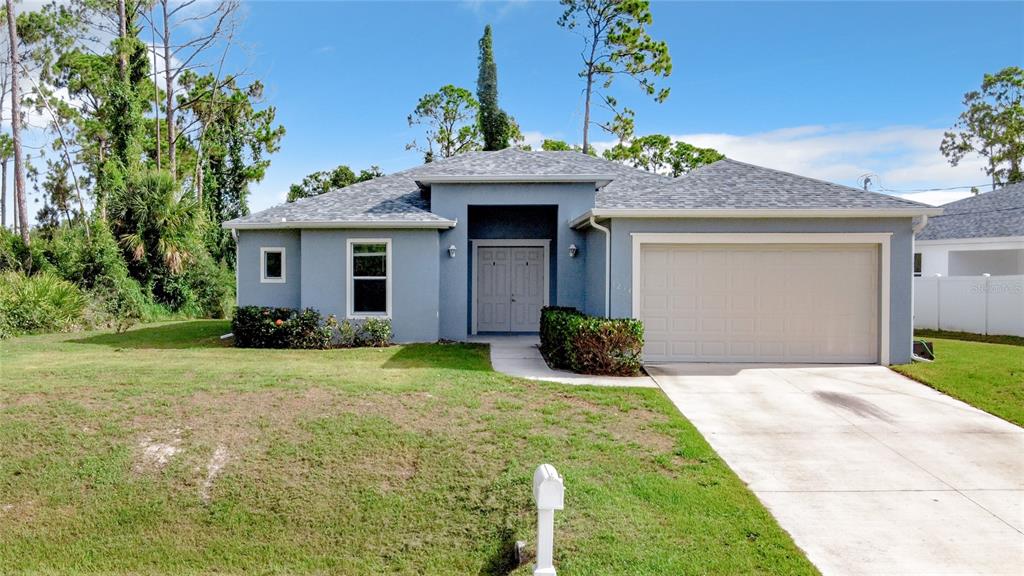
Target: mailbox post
(549,492)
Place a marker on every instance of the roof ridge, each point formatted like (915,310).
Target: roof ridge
(1011,188)
(616,163)
(850,188)
(703,167)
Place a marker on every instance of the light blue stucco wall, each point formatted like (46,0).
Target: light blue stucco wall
(252,292)
(317,275)
(414,283)
(901,281)
(593,303)
(453,200)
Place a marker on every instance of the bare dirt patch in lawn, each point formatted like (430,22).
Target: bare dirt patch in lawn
(157,450)
(213,468)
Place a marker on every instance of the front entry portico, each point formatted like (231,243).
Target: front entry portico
(510,284)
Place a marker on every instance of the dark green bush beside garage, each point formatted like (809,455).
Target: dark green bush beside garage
(571,340)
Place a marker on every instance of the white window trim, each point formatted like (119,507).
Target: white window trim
(350,280)
(263,265)
(546,244)
(882,239)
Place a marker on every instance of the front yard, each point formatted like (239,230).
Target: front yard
(164,451)
(987,374)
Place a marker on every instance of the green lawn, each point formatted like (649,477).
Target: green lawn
(986,375)
(411,459)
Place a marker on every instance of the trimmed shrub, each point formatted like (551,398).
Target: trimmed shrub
(590,345)
(371,332)
(262,327)
(343,334)
(557,325)
(611,347)
(374,332)
(41,303)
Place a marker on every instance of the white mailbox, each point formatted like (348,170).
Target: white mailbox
(548,489)
(549,492)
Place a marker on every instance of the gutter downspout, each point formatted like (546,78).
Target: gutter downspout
(913,310)
(607,266)
(234,236)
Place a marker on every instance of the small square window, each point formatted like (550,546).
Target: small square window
(272,265)
(917,264)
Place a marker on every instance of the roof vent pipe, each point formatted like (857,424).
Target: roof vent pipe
(921,224)
(607,266)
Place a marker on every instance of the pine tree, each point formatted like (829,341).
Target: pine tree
(494,122)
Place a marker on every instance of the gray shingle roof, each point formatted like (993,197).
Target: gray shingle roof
(730,184)
(392,198)
(397,197)
(726,184)
(995,214)
(512,161)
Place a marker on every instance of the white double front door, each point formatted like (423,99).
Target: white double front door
(509,288)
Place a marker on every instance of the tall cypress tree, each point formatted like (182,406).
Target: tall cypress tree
(494,123)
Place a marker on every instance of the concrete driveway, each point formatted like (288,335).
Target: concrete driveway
(870,472)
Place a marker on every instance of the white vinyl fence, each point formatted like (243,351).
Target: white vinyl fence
(979,304)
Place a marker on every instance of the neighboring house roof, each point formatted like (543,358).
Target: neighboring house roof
(729,186)
(996,214)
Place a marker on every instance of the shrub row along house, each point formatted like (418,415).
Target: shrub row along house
(731,262)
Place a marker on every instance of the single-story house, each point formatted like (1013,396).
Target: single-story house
(983,234)
(730,263)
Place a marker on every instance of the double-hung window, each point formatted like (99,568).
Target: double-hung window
(272,269)
(369,281)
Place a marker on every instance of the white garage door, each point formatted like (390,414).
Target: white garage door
(759,303)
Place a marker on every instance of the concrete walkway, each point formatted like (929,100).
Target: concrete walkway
(520,356)
(870,472)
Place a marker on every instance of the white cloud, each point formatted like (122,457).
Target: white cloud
(938,197)
(901,159)
(535,138)
(156,62)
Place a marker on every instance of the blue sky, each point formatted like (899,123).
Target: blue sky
(833,90)
(826,89)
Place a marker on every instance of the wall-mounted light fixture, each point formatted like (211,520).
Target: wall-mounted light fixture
(451,251)
(573,250)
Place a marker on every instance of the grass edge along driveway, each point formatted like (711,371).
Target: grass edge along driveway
(988,375)
(164,451)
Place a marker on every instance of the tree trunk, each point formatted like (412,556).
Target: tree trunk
(172,159)
(101,204)
(586,113)
(3,194)
(122,29)
(199,177)
(156,91)
(19,169)
(14,218)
